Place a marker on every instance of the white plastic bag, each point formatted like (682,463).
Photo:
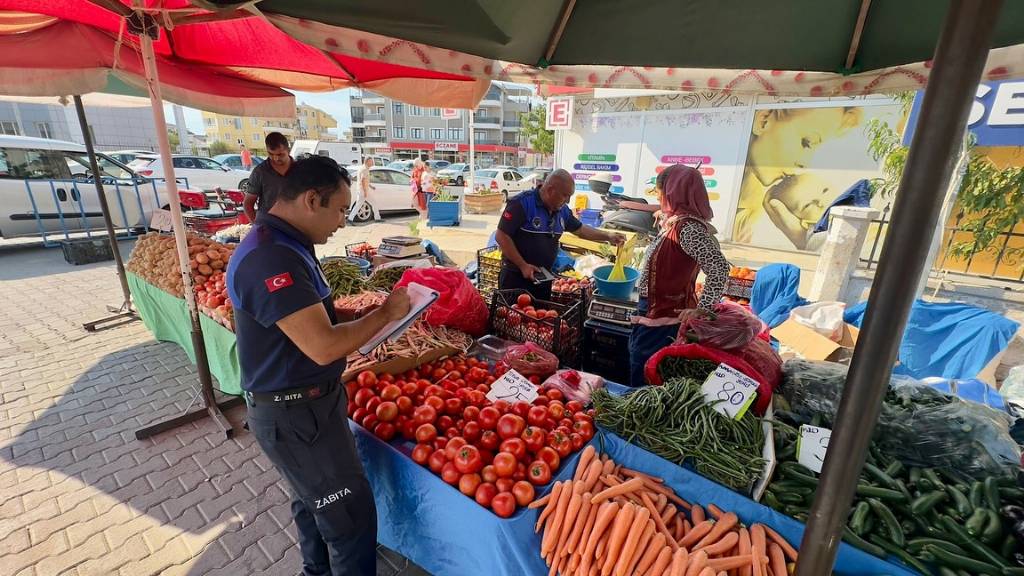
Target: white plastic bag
(1012,391)
(825,318)
(587,263)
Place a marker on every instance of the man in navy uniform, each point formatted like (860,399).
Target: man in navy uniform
(292,353)
(529,231)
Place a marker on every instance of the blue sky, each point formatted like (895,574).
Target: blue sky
(334,103)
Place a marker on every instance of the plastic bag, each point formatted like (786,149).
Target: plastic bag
(586,264)
(731,328)
(529,359)
(653,369)
(575,385)
(825,318)
(459,305)
(918,424)
(1012,391)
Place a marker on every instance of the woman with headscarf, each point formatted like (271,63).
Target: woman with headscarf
(685,246)
(419,200)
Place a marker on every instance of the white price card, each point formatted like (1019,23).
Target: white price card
(731,391)
(161,220)
(811,446)
(513,387)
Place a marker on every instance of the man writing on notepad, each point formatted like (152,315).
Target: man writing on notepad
(292,353)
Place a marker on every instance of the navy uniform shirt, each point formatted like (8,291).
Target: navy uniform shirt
(534,229)
(272,274)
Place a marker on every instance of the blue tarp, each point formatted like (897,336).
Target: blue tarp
(857,195)
(775,293)
(973,390)
(946,339)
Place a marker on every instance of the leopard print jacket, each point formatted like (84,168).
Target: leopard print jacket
(700,244)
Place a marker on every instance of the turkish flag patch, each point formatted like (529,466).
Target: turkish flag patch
(275,283)
(507,215)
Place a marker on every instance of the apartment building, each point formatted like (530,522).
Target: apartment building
(398,130)
(115,122)
(309,123)
(313,123)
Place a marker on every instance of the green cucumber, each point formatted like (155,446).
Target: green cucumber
(992,493)
(992,533)
(898,552)
(917,544)
(880,493)
(977,494)
(880,476)
(971,544)
(1009,546)
(889,520)
(858,542)
(963,506)
(894,469)
(914,475)
(950,559)
(922,504)
(859,518)
(976,522)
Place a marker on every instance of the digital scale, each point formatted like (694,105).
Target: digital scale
(400,247)
(604,309)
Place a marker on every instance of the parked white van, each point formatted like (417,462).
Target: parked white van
(46,186)
(344,153)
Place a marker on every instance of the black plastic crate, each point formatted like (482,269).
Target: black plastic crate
(562,335)
(488,268)
(86,250)
(606,351)
(738,288)
(582,297)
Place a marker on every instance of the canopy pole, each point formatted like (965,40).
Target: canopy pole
(858,32)
(210,407)
(959,60)
(125,312)
(472,152)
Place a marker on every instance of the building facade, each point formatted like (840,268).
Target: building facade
(308,123)
(117,127)
(313,123)
(392,128)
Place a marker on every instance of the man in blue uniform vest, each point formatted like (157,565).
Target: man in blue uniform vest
(292,353)
(530,228)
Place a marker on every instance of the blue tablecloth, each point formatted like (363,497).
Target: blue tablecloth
(448,534)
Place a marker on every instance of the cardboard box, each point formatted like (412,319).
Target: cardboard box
(399,365)
(417,261)
(813,346)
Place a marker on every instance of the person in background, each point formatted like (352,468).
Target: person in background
(269,178)
(246,158)
(418,200)
(292,351)
(685,246)
(529,231)
(428,183)
(363,183)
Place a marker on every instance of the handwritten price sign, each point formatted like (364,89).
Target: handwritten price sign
(731,391)
(513,387)
(811,446)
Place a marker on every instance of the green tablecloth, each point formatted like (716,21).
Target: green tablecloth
(167,318)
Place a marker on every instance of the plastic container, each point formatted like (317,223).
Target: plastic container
(590,217)
(364,266)
(621,290)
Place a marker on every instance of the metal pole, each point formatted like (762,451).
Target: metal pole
(472,153)
(198,344)
(125,311)
(959,59)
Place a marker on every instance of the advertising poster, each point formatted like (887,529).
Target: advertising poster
(602,143)
(800,159)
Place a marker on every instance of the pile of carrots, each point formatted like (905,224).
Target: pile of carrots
(612,521)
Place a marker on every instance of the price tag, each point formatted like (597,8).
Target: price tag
(731,391)
(161,220)
(811,446)
(513,387)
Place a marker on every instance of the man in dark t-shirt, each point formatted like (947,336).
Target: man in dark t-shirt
(530,228)
(268,179)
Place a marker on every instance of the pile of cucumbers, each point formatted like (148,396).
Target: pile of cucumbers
(935,520)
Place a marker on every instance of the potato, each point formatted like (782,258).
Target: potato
(205,270)
(202,258)
(217,264)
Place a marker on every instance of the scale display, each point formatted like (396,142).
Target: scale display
(614,311)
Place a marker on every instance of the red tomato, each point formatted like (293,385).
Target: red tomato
(511,426)
(533,377)
(520,472)
(426,433)
(471,413)
(387,411)
(445,422)
(582,416)
(504,464)
(453,406)
(409,389)
(504,504)
(363,396)
(422,384)
(452,432)
(483,388)
(560,442)
(489,439)
(576,441)
(539,473)
(574,406)
(351,409)
(421,453)
(505,484)
(584,428)
(524,300)
(440,443)
(524,493)
(477,397)
(390,392)
(521,409)
(502,406)
(556,410)
(386,378)
(538,415)
(435,402)
(566,423)
(452,448)
(448,364)
(535,438)
(489,417)
(438,373)
(366,379)
(471,431)
(468,484)
(515,447)
(550,457)
(404,404)
(450,474)
(408,429)
(351,387)
(359,414)
(485,493)
(372,403)
(467,459)
(425,414)
(488,474)
(369,421)
(555,394)
(385,431)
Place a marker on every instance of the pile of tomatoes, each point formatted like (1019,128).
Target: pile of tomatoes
(523,321)
(572,285)
(495,453)
(212,299)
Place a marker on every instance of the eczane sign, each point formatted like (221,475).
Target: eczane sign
(559,114)
(996,117)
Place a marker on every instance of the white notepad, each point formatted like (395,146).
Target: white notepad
(420,298)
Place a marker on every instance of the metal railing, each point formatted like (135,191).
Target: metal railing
(373,117)
(486,119)
(511,124)
(374,139)
(1002,260)
(488,142)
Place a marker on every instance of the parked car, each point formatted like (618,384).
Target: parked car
(200,173)
(537,175)
(401,165)
(392,193)
(509,182)
(235,161)
(438,164)
(126,156)
(455,173)
(46,187)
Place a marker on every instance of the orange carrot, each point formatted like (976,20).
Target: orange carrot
(554,568)
(661,500)
(699,531)
(667,515)
(654,514)
(698,562)
(586,456)
(602,549)
(629,545)
(697,514)
(706,572)
(650,553)
(588,513)
(551,532)
(722,546)
(758,544)
(744,548)
(623,524)
(572,517)
(787,548)
(624,488)
(609,467)
(592,475)
(593,571)
(652,485)
(605,514)
(540,501)
(730,562)
(556,492)
(681,528)
(637,473)
(777,559)
(727,523)
(649,530)
(661,562)
(679,560)
(715,511)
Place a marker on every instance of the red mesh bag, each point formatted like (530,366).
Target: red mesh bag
(459,305)
(732,327)
(700,352)
(529,359)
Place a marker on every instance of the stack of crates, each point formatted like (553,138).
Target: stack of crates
(488,267)
(562,335)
